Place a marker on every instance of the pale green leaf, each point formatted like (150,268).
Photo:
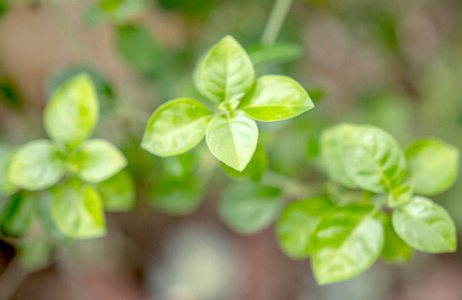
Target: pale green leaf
(232,139)
(401,194)
(433,166)
(72,112)
(425,226)
(175,127)
(249,207)
(35,253)
(36,165)
(346,242)
(97,160)
(225,72)
(6,186)
(274,98)
(254,169)
(395,250)
(117,192)
(297,224)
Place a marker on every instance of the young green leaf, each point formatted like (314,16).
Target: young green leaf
(249,207)
(395,250)
(433,166)
(97,160)
(72,112)
(136,45)
(425,226)
(372,158)
(15,214)
(400,195)
(346,242)
(232,139)
(37,165)
(254,169)
(6,186)
(78,212)
(226,72)
(332,155)
(274,98)
(297,224)
(176,127)
(117,192)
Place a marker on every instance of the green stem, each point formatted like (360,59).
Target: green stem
(289,185)
(275,21)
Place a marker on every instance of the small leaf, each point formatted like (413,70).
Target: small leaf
(232,139)
(6,186)
(249,207)
(37,165)
(395,250)
(15,215)
(400,195)
(72,112)
(34,253)
(78,212)
(97,160)
(433,166)
(297,224)
(176,127)
(276,54)
(274,98)
(137,46)
(117,192)
(254,169)
(346,242)
(177,197)
(226,72)
(425,226)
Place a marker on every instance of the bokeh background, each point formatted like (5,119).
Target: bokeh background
(396,64)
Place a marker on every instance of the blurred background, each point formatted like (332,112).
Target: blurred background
(395,64)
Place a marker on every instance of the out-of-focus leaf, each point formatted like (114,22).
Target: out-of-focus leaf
(254,169)
(16,214)
(395,250)
(6,186)
(277,54)
(34,253)
(117,192)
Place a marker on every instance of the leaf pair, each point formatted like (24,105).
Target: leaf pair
(225,75)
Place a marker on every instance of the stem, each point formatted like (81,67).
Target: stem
(275,21)
(289,185)
(11,279)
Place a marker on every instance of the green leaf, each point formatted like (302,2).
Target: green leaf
(332,155)
(372,158)
(176,127)
(346,242)
(97,160)
(43,212)
(400,195)
(72,112)
(226,72)
(34,253)
(121,10)
(433,166)
(117,192)
(425,226)
(297,224)
(181,165)
(254,169)
(15,215)
(180,196)
(249,207)
(276,54)
(274,98)
(6,186)
(232,139)
(395,250)
(78,212)
(137,46)
(37,165)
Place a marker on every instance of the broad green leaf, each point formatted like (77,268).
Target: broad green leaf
(232,139)
(176,127)
(78,212)
(72,112)
(176,196)
(332,155)
(425,226)
(346,242)
(97,160)
(395,250)
(254,169)
(34,253)
(274,98)
(15,214)
(297,224)
(276,54)
(37,165)
(248,207)
(6,186)
(433,166)
(372,158)
(226,72)
(117,192)
(137,46)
